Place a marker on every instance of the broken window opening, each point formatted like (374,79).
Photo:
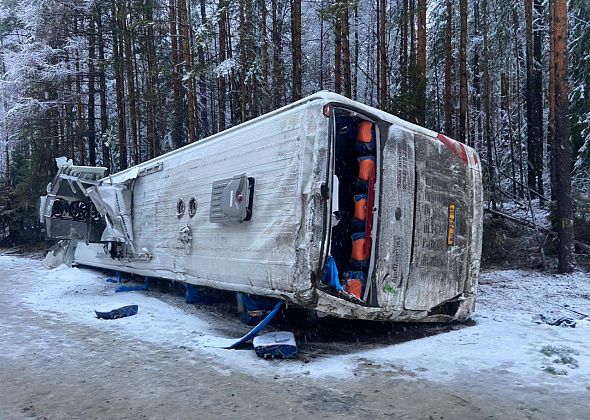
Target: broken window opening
(347,270)
(192,207)
(180,207)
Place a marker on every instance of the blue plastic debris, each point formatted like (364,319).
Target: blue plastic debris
(330,277)
(256,330)
(194,295)
(116,310)
(255,308)
(126,288)
(275,344)
(117,278)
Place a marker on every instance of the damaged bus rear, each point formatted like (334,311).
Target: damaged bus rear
(327,203)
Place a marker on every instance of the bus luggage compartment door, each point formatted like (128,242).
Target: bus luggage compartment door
(396,216)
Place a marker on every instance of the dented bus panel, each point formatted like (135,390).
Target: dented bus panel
(326,203)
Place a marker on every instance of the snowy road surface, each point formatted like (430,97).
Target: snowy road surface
(57,360)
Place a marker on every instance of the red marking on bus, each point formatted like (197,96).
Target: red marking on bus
(370,204)
(454,146)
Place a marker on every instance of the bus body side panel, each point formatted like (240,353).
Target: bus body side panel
(394,240)
(275,252)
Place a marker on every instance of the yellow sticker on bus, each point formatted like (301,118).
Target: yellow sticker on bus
(451,228)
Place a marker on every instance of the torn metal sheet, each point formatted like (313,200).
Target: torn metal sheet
(252,209)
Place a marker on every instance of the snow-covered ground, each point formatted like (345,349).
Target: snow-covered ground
(509,362)
(508,335)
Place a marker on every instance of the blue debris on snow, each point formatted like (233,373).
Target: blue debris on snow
(256,330)
(275,344)
(255,308)
(195,295)
(117,278)
(116,310)
(233,343)
(126,288)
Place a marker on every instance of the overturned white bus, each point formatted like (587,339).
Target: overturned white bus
(326,203)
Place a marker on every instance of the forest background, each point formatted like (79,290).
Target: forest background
(114,83)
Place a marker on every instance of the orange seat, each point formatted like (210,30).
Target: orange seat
(360,208)
(366,166)
(364,132)
(358,250)
(355,287)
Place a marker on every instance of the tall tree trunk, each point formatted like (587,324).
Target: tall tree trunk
(152,82)
(222,58)
(562,139)
(420,93)
(253,99)
(487,93)
(91,92)
(449,102)
(120,88)
(403,63)
(80,131)
(551,102)
(534,97)
(463,100)
(383,89)
(188,77)
(506,123)
(515,21)
(265,59)
(177,108)
(538,93)
(244,64)
(277,50)
(234,87)
(204,123)
(104,119)
(131,96)
(337,53)
(345,43)
(296,40)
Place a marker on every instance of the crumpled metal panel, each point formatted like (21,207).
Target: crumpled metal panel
(114,203)
(71,183)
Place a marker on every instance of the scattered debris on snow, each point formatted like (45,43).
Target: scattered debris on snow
(279,344)
(506,341)
(115,310)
